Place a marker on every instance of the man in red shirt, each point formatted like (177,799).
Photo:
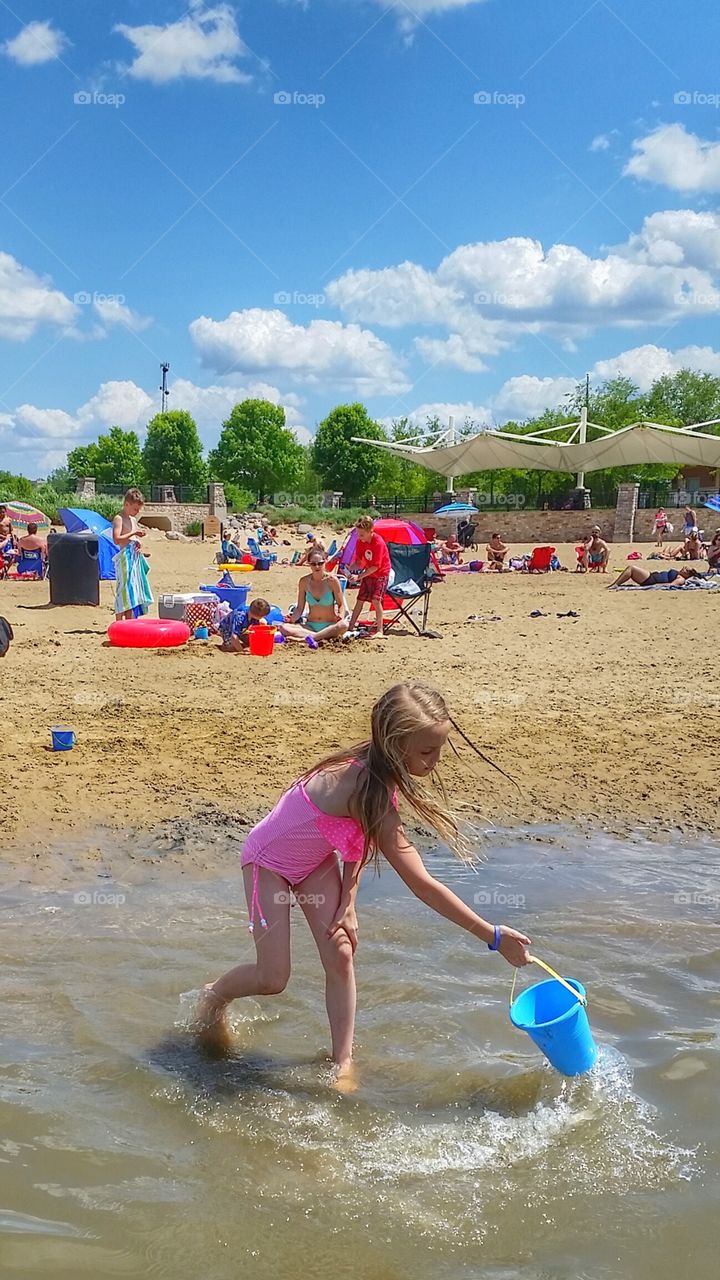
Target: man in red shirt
(372,571)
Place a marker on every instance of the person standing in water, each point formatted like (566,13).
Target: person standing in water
(347,804)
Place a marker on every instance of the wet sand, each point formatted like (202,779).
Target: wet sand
(609,720)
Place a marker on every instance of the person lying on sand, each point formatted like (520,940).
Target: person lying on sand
(321,592)
(234,626)
(644,578)
(347,804)
(598,552)
(496,552)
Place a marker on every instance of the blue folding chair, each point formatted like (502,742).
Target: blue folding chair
(31,562)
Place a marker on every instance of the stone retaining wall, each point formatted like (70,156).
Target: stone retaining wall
(178,513)
(527,527)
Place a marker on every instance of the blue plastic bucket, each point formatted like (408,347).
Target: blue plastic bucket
(62,739)
(236,596)
(558,1025)
(275,615)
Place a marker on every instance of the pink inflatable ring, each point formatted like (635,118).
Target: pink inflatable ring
(148,633)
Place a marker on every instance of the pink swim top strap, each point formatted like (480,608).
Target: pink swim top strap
(255,902)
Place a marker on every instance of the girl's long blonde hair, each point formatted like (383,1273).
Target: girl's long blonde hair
(401,711)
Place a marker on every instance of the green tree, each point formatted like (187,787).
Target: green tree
(685,397)
(256,450)
(350,468)
(15,487)
(172,453)
(83,460)
(113,459)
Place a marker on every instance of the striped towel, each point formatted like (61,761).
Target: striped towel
(132,589)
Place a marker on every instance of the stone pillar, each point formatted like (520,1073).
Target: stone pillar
(85,487)
(626,506)
(216,501)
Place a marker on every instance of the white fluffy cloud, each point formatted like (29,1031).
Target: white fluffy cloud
(323,352)
(27,301)
(676,159)
(204,44)
(526,396)
(600,143)
(462,411)
(112,312)
(488,295)
(38,42)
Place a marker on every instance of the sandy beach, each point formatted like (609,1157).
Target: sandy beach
(608,720)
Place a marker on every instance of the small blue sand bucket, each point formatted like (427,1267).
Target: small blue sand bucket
(553,1014)
(62,739)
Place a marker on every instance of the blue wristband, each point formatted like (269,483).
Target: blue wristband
(493,946)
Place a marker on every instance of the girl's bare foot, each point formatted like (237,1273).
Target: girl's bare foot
(346,1077)
(211,1022)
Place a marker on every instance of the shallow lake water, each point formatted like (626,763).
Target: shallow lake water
(125,1151)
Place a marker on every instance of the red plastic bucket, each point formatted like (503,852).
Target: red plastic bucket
(261,641)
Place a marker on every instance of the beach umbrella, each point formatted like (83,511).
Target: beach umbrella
(456,511)
(713,504)
(23,513)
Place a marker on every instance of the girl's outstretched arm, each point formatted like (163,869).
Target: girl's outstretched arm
(404,857)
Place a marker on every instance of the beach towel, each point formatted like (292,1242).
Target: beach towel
(693,584)
(132,585)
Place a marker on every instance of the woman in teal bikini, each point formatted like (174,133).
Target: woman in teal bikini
(322,594)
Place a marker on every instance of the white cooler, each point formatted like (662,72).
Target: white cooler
(173,606)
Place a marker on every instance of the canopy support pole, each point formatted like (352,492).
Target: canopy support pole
(451,441)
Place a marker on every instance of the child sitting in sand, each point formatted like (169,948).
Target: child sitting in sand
(347,804)
(234,626)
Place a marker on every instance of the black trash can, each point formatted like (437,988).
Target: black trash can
(74,564)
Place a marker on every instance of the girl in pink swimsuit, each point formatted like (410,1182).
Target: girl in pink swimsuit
(347,805)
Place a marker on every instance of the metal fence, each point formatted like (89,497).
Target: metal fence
(661,495)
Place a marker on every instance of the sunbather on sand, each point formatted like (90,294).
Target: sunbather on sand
(660,578)
(322,593)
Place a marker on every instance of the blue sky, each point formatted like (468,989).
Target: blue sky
(445,206)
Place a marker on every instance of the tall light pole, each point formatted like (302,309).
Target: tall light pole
(164,387)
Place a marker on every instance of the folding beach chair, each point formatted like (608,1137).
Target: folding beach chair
(539,561)
(31,562)
(411,568)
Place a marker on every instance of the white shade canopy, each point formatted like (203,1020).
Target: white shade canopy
(641,442)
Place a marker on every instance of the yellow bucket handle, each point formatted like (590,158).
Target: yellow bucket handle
(548,969)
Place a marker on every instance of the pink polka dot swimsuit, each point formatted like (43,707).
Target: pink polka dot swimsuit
(295,838)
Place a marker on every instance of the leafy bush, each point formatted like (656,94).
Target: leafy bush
(193,528)
(239,499)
